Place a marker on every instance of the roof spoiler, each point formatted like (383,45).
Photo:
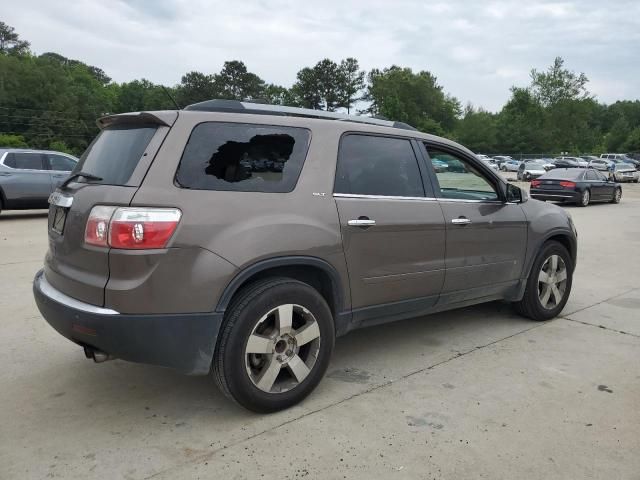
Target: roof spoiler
(164,118)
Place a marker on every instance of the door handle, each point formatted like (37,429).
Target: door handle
(461,221)
(361,222)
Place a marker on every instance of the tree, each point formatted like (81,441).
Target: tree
(306,89)
(12,141)
(632,143)
(196,87)
(558,84)
(521,124)
(617,136)
(236,83)
(477,130)
(415,98)
(10,43)
(350,82)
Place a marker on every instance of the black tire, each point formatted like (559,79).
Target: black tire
(252,303)
(530,306)
(617,195)
(585,198)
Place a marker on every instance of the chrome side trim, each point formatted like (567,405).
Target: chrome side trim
(534,195)
(57,296)
(381,197)
(361,223)
(60,200)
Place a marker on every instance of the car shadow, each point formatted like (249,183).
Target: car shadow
(23,214)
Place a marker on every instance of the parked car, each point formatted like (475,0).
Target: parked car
(529,170)
(621,158)
(602,165)
(500,159)
(491,163)
(577,161)
(162,254)
(566,162)
(510,166)
(625,172)
(589,158)
(27,177)
(577,185)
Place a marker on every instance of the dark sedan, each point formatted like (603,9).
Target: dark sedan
(578,185)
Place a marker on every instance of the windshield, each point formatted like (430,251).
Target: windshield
(115,153)
(533,165)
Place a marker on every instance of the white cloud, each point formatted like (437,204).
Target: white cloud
(476,49)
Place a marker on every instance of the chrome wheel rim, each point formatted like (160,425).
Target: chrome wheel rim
(552,282)
(282,348)
(585,197)
(618,195)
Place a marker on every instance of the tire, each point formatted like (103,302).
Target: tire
(617,195)
(296,370)
(531,305)
(585,198)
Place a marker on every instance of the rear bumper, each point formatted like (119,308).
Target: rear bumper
(184,342)
(554,195)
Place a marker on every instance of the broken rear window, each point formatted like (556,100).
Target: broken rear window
(243,157)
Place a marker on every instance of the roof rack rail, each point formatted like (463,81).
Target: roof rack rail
(237,106)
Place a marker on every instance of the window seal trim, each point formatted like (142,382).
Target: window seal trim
(382,197)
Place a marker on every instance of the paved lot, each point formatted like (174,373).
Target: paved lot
(477,392)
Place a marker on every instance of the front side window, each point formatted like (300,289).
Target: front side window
(372,165)
(24,161)
(61,163)
(243,157)
(460,179)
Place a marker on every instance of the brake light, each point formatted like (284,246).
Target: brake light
(568,184)
(97,229)
(535,183)
(131,227)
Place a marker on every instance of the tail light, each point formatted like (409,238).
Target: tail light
(131,227)
(568,184)
(535,183)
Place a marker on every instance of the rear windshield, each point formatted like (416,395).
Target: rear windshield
(564,173)
(243,157)
(115,153)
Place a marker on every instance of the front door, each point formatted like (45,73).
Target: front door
(486,236)
(600,188)
(392,228)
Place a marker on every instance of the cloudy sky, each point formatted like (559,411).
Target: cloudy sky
(477,49)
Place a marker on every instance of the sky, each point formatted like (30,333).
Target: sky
(477,49)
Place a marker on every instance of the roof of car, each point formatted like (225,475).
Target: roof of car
(32,150)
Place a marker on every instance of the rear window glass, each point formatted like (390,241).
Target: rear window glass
(24,161)
(115,153)
(564,174)
(243,157)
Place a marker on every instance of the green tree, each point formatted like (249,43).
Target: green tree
(477,130)
(521,124)
(415,98)
(12,141)
(236,83)
(350,82)
(617,136)
(196,87)
(558,84)
(10,43)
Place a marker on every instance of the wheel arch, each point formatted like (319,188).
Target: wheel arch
(314,271)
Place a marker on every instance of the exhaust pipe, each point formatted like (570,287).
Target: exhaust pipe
(96,355)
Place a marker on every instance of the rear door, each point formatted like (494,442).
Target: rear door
(600,189)
(486,236)
(25,179)
(120,155)
(392,228)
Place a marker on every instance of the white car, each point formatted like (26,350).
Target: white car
(529,170)
(510,166)
(490,162)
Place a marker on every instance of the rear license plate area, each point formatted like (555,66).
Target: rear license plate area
(58,219)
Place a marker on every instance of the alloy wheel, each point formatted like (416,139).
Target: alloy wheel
(552,282)
(282,349)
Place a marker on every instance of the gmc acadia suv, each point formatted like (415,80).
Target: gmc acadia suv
(241,239)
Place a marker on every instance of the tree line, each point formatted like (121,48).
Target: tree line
(50,101)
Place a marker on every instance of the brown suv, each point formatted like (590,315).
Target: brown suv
(240,239)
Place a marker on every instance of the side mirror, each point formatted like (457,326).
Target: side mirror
(516,194)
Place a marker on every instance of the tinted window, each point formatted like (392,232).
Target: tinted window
(241,157)
(460,179)
(591,175)
(58,162)
(369,165)
(24,161)
(115,153)
(562,174)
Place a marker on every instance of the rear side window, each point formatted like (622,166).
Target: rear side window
(243,157)
(115,153)
(24,161)
(370,165)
